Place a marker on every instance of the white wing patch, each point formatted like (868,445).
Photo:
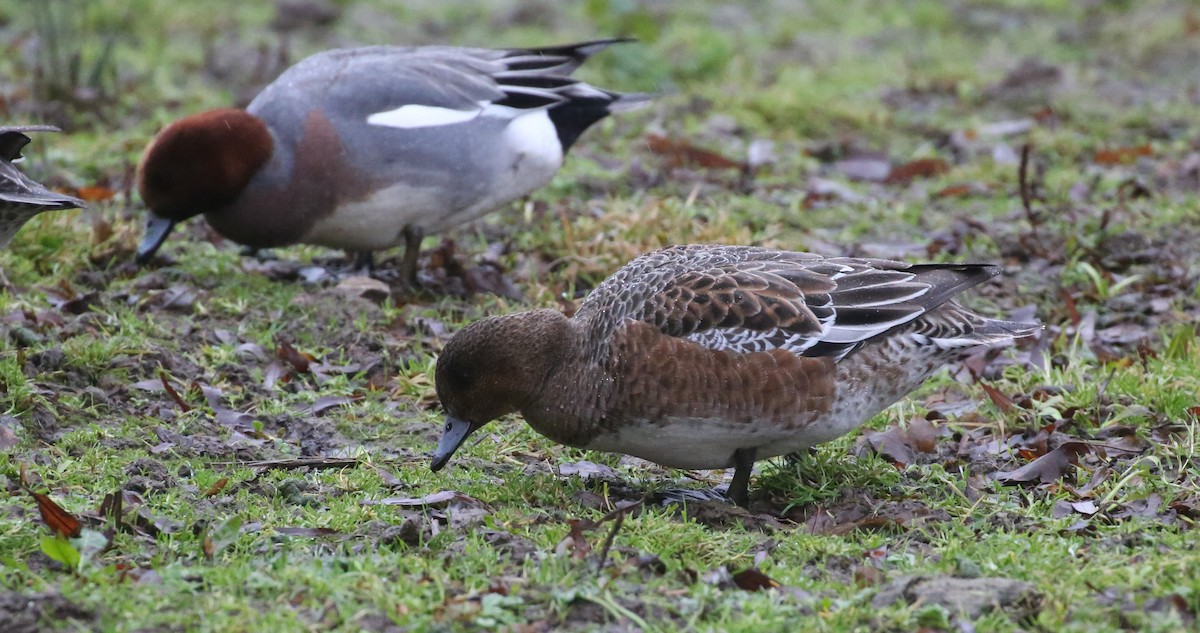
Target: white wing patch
(418,116)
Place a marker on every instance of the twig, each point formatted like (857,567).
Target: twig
(619,515)
(1023,183)
(299,462)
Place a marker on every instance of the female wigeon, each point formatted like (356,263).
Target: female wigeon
(20,197)
(717,356)
(366,148)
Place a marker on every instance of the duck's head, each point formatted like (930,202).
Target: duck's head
(493,367)
(195,165)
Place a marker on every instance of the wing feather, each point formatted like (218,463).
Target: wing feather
(757,299)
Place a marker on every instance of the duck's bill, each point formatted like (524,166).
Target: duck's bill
(156,232)
(456,432)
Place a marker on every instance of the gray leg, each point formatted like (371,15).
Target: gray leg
(412,249)
(739,488)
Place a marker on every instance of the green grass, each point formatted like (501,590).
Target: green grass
(835,526)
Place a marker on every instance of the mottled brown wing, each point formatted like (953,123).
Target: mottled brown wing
(753,299)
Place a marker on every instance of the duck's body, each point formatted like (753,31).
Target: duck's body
(21,198)
(715,356)
(367,148)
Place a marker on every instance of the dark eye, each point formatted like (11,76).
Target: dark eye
(448,425)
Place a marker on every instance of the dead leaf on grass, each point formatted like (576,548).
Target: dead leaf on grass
(892,445)
(919,168)
(55,517)
(575,542)
(217,487)
(679,153)
(754,580)
(922,435)
(1064,508)
(998,398)
(1049,467)
(1121,155)
(94,194)
(299,361)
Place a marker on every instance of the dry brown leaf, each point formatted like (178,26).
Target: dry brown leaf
(919,168)
(921,435)
(1121,155)
(58,520)
(1049,467)
(216,488)
(679,153)
(754,580)
(1002,402)
(299,361)
(94,194)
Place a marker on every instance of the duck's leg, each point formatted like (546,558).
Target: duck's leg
(743,464)
(261,254)
(413,235)
(364,262)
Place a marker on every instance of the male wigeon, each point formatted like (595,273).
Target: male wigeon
(717,356)
(20,197)
(366,148)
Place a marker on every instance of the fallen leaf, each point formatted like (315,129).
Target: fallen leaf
(1121,155)
(679,153)
(958,191)
(299,361)
(575,541)
(919,168)
(216,488)
(58,520)
(921,435)
(891,444)
(94,194)
(1002,402)
(364,287)
(1049,467)
(754,580)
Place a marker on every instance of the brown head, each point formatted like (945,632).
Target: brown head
(493,367)
(198,164)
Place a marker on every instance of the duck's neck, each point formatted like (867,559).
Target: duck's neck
(570,405)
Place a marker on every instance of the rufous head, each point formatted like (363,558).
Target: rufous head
(196,165)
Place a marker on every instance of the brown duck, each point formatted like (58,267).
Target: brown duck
(717,356)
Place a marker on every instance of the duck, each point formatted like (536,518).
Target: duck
(21,198)
(711,356)
(367,148)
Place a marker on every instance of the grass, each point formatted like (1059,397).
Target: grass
(1111,274)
